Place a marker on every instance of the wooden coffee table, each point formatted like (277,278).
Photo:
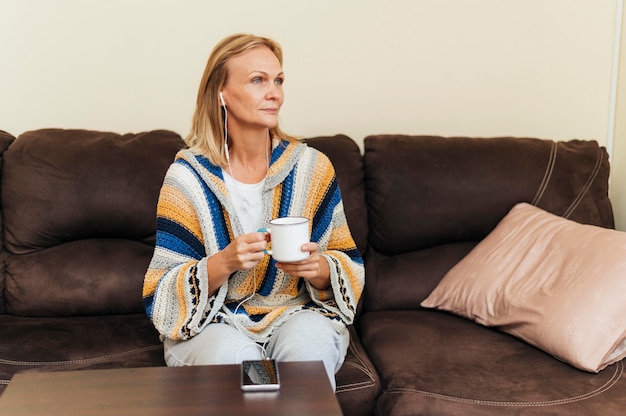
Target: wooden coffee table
(200,390)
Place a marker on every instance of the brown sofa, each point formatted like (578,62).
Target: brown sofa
(78,210)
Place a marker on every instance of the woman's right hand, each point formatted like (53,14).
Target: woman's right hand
(243,253)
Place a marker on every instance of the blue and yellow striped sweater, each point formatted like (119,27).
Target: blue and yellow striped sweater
(196,219)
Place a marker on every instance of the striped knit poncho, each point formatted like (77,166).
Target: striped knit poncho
(196,219)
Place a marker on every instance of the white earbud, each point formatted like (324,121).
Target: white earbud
(225,129)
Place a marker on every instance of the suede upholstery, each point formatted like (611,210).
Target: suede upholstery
(430,200)
(78,211)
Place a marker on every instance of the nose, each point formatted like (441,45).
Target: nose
(274,92)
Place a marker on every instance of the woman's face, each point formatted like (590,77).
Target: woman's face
(253,92)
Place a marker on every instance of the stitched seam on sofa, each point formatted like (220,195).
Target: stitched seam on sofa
(355,386)
(360,366)
(583,191)
(360,384)
(363,368)
(547,174)
(81,361)
(5,382)
(619,369)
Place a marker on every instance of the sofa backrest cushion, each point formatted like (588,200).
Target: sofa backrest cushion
(79,211)
(432,199)
(5,140)
(424,191)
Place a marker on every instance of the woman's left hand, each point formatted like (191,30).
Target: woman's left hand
(314,268)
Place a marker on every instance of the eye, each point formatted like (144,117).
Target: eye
(257,80)
(279,81)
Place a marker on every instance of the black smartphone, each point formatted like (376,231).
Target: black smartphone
(259,375)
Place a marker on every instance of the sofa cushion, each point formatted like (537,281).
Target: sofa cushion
(75,343)
(5,140)
(437,196)
(423,191)
(358,385)
(83,277)
(437,364)
(555,283)
(64,185)
(396,281)
(79,215)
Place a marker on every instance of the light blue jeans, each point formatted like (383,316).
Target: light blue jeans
(306,336)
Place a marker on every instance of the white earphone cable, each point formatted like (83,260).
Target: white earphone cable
(230,168)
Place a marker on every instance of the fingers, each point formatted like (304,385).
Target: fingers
(246,251)
(310,247)
(307,268)
(252,242)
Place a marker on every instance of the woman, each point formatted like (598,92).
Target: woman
(210,290)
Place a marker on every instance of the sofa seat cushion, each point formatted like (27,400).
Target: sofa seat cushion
(431,362)
(78,343)
(73,343)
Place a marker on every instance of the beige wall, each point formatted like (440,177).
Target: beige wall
(450,67)
(618,161)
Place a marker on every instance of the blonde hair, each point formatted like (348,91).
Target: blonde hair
(207,131)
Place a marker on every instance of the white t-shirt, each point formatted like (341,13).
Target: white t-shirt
(248,201)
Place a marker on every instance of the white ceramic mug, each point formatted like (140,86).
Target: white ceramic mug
(288,236)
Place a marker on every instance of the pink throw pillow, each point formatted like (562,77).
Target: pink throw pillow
(557,284)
